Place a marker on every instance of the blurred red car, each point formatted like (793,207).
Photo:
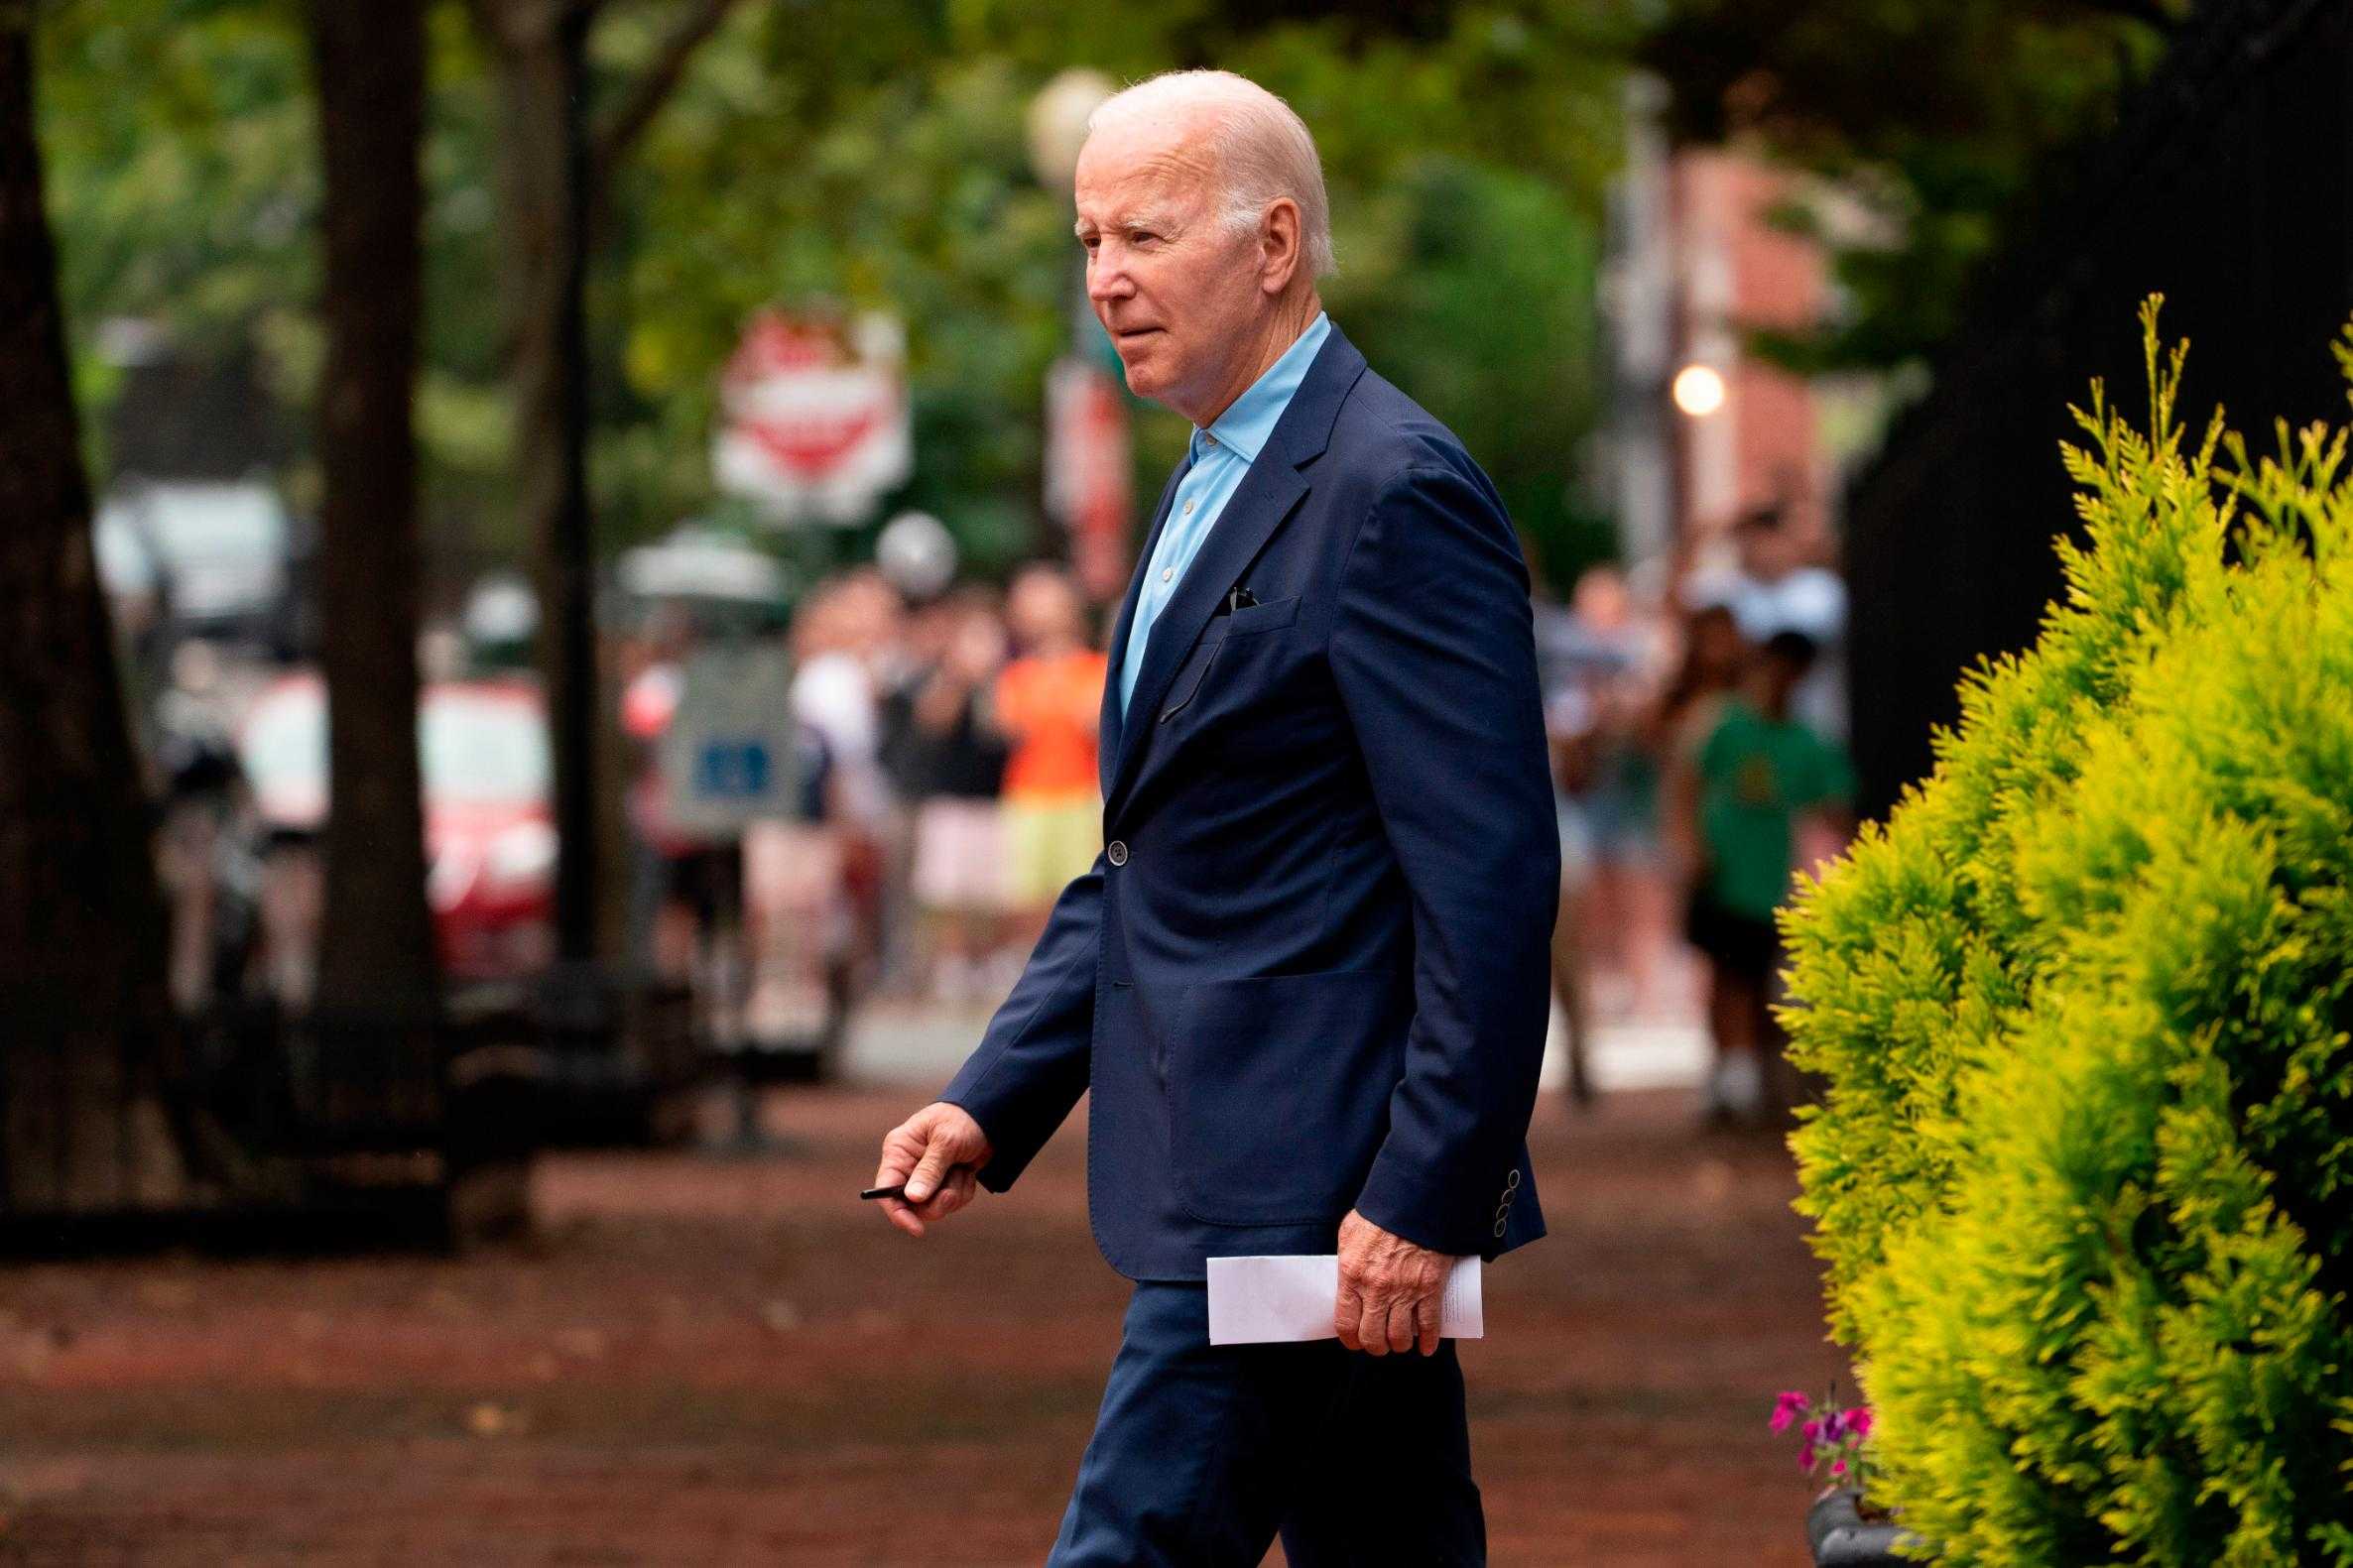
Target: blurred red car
(489,836)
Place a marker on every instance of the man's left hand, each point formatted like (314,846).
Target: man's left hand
(1389,1290)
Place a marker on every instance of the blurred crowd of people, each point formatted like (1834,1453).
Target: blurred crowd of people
(1697,725)
(1696,720)
(942,786)
(948,755)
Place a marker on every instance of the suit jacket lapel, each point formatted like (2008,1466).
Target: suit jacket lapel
(1109,726)
(1267,496)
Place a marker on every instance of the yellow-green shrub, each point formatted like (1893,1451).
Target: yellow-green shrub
(2083,1175)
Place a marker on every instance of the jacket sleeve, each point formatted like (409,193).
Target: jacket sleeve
(1433,653)
(1032,1064)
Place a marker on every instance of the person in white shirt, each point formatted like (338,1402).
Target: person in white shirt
(1774,589)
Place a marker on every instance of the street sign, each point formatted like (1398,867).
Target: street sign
(1087,471)
(729,757)
(814,418)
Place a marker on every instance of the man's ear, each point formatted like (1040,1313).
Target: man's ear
(1279,250)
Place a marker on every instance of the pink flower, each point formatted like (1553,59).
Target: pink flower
(1828,1434)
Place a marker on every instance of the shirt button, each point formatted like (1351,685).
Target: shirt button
(1189,509)
(1167,572)
(1116,853)
(1208,440)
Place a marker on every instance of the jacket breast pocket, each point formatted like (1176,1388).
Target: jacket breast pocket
(1252,619)
(1278,1092)
(1224,632)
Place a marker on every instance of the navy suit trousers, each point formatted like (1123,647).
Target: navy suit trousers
(1203,1453)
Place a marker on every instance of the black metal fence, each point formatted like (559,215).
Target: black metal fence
(2227,187)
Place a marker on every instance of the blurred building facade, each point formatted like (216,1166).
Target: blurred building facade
(1704,430)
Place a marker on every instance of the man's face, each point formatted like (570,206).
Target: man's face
(1176,289)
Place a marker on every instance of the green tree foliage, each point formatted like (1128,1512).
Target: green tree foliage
(184,168)
(909,193)
(160,212)
(1937,115)
(1459,278)
(1466,165)
(870,153)
(2085,1006)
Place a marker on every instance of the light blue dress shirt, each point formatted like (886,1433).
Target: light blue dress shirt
(1221,457)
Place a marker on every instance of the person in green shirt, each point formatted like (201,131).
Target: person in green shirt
(1745,785)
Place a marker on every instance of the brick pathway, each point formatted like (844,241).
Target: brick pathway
(705,1361)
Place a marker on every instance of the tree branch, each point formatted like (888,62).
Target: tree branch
(646,96)
(517,26)
(486,21)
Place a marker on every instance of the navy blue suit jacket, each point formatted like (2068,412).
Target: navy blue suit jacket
(1309,970)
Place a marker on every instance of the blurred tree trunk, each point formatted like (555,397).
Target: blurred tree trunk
(86,1016)
(554,172)
(376,942)
(540,49)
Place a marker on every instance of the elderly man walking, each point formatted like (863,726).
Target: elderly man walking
(1306,981)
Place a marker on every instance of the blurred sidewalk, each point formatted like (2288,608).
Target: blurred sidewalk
(726,1358)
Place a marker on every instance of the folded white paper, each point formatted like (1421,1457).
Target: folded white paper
(1274,1300)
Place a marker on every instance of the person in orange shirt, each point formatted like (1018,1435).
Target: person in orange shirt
(1048,704)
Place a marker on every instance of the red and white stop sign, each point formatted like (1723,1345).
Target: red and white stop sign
(813,417)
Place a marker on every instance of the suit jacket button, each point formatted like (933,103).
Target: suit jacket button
(1117,853)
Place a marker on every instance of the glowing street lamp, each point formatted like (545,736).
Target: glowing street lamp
(1698,390)
(1058,124)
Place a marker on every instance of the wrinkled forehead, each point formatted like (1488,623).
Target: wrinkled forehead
(1135,168)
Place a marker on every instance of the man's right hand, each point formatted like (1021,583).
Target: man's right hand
(937,1153)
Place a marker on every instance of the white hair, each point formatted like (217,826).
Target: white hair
(1263,148)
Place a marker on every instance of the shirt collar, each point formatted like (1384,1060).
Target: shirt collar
(1244,427)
